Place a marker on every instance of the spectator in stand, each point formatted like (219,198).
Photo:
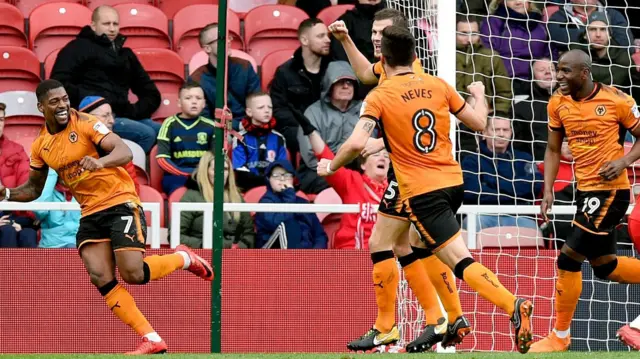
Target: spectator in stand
(474,62)
(238,229)
(16,228)
(242,79)
(184,138)
(364,186)
(297,83)
(514,29)
(531,126)
(286,230)
(260,146)
(313,7)
(567,24)
(58,229)
(334,115)
(475,7)
(100,108)
(499,175)
(97,63)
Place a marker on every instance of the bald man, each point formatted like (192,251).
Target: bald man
(590,115)
(96,63)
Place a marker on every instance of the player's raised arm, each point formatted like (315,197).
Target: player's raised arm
(119,154)
(361,65)
(475,117)
(350,149)
(30,190)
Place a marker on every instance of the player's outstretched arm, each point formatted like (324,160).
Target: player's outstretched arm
(31,190)
(119,154)
(475,117)
(551,165)
(361,65)
(350,149)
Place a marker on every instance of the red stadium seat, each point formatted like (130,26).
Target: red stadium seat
(509,237)
(164,67)
(198,59)
(23,129)
(19,69)
(49,62)
(269,28)
(253,195)
(12,26)
(332,13)
(176,196)
(243,55)
(148,194)
(188,22)
(168,107)
(92,4)
(27,6)
(172,7)
(155,171)
(328,196)
(144,26)
(20,103)
(331,224)
(271,63)
(53,25)
(548,11)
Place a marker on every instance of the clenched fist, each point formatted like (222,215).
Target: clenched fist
(476,89)
(339,30)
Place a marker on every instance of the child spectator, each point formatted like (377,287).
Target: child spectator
(261,144)
(100,108)
(238,226)
(58,228)
(184,138)
(286,230)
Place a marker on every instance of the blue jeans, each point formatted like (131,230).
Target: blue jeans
(489,221)
(10,238)
(171,183)
(143,132)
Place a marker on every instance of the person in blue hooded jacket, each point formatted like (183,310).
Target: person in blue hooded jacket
(286,230)
(58,228)
(499,175)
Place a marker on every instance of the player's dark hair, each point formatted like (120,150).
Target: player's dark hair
(398,46)
(190,84)
(397,18)
(308,24)
(2,107)
(253,95)
(204,31)
(467,18)
(45,86)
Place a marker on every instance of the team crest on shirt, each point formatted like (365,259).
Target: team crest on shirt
(202,138)
(73,137)
(601,110)
(635,111)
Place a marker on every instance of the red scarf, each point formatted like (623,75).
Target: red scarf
(258,130)
(65,191)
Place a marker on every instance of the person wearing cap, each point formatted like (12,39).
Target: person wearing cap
(568,24)
(334,116)
(100,108)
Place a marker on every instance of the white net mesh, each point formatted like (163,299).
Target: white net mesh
(512,49)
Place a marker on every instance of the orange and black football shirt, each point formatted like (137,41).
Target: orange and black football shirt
(413,112)
(378,70)
(592,127)
(63,151)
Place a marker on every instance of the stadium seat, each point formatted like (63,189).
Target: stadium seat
(548,11)
(155,171)
(19,69)
(164,67)
(509,237)
(168,107)
(328,196)
(49,62)
(198,59)
(176,196)
(331,224)
(20,103)
(12,26)
(142,176)
(27,6)
(269,28)
(148,194)
(243,55)
(139,157)
(188,22)
(92,4)
(53,25)
(271,63)
(243,6)
(332,13)
(253,195)
(172,7)
(145,26)
(23,129)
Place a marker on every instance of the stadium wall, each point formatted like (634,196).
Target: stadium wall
(273,301)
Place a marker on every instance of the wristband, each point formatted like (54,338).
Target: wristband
(7,194)
(329,171)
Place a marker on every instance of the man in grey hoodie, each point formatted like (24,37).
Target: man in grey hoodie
(334,116)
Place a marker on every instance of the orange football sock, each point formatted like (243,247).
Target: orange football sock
(162,266)
(568,289)
(124,307)
(419,283)
(627,271)
(485,282)
(444,282)
(385,283)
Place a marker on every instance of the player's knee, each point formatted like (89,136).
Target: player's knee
(421,252)
(568,264)
(131,275)
(401,248)
(100,278)
(605,270)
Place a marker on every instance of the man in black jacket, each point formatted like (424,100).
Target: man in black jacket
(297,82)
(96,63)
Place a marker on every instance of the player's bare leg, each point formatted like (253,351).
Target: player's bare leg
(444,282)
(456,255)
(99,261)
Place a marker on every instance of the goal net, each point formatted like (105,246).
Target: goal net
(512,51)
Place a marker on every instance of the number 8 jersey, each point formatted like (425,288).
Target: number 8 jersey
(412,111)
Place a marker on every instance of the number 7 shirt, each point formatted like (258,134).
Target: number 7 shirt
(412,111)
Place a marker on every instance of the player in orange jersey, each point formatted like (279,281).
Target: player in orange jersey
(590,115)
(412,111)
(408,247)
(88,157)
